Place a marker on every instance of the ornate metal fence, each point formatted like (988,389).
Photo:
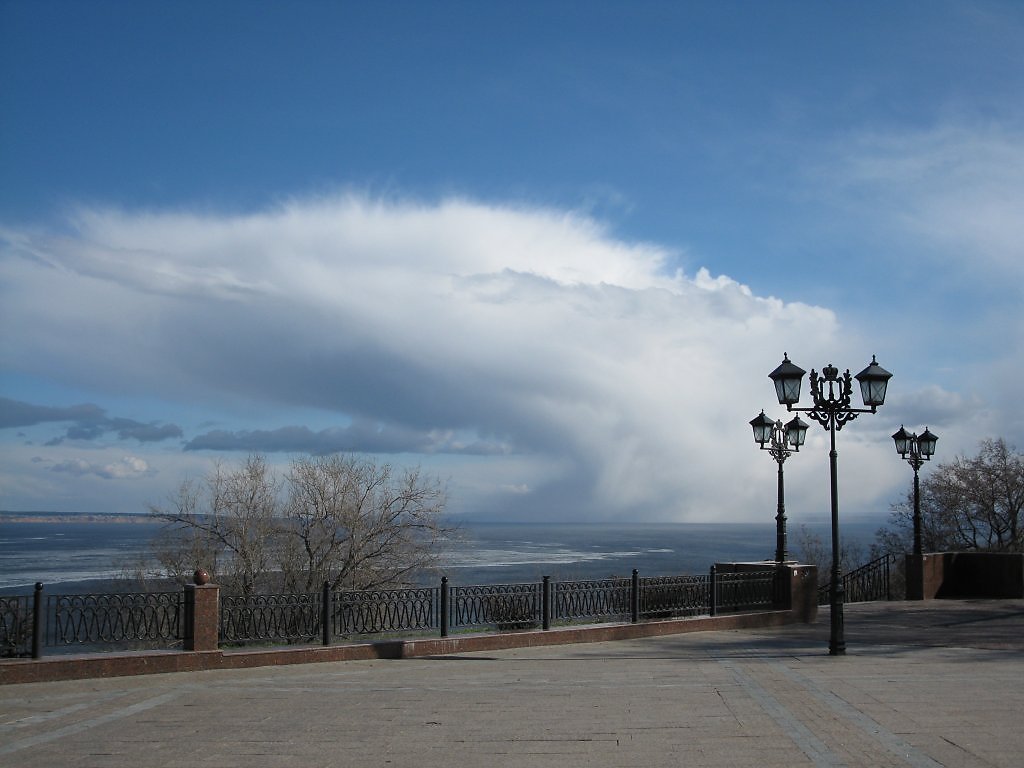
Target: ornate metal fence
(663,597)
(745,591)
(382,610)
(288,618)
(591,599)
(505,606)
(130,617)
(15,625)
(870,582)
(159,617)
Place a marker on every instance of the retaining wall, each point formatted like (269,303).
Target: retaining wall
(965,575)
(201,652)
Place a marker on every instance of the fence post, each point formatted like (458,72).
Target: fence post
(888,577)
(325,614)
(37,621)
(444,606)
(202,614)
(713,592)
(782,591)
(634,598)
(545,601)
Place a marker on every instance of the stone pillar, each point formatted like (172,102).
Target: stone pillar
(202,614)
(914,570)
(796,586)
(803,592)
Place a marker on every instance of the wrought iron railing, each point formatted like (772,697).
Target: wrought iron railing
(297,618)
(597,599)
(16,625)
(871,581)
(745,590)
(374,611)
(167,617)
(129,617)
(505,606)
(667,596)
(285,618)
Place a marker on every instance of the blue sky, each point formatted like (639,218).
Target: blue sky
(547,251)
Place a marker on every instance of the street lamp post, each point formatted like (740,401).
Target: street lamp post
(832,396)
(916,449)
(780,441)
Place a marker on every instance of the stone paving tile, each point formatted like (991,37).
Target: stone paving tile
(919,679)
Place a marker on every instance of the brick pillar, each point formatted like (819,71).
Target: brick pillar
(803,592)
(914,570)
(202,617)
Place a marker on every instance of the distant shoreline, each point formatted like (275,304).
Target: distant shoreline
(7,516)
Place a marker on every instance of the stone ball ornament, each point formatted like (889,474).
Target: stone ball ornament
(201,577)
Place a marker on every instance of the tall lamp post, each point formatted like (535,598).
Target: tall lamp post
(916,449)
(832,396)
(780,441)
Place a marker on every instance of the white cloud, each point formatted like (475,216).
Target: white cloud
(126,467)
(957,187)
(927,223)
(588,377)
(516,489)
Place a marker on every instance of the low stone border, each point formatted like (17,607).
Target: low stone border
(71,667)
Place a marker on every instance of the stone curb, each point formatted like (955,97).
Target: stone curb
(154,662)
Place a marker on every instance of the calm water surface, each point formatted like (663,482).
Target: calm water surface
(487,553)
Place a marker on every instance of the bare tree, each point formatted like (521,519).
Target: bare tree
(342,520)
(231,530)
(812,550)
(970,503)
(356,524)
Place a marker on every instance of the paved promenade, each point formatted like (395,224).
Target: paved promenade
(939,683)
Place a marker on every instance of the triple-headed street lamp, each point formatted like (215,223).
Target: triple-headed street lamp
(780,441)
(832,395)
(916,449)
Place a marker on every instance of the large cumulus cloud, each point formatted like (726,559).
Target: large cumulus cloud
(531,346)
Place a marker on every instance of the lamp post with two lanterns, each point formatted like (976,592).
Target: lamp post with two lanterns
(780,441)
(832,396)
(916,449)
